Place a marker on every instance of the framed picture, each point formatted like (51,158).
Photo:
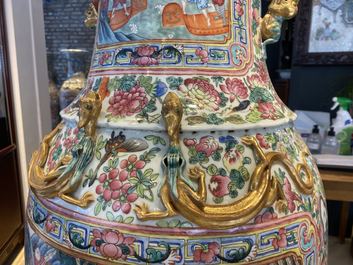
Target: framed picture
(324,33)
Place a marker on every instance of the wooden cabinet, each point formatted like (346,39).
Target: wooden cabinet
(11,221)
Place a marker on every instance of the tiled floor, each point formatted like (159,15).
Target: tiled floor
(338,254)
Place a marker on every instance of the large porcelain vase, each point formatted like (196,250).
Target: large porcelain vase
(178,151)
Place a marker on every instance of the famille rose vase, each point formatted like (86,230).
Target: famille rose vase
(178,150)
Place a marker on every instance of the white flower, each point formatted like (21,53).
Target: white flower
(159,7)
(133,28)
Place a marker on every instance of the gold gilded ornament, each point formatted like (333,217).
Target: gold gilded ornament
(91,16)
(278,10)
(178,196)
(67,174)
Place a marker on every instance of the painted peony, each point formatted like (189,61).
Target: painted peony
(207,145)
(112,244)
(124,103)
(267,110)
(219,186)
(235,88)
(200,94)
(206,253)
(145,56)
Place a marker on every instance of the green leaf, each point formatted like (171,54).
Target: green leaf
(237,178)
(149,155)
(154,177)
(163,223)
(193,120)
(128,220)
(254,116)
(212,170)
(110,216)
(218,200)
(245,173)
(148,194)
(222,172)
(148,172)
(174,223)
(97,208)
(140,189)
(240,148)
(119,219)
(259,94)
(235,119)
(246,160)
(133,180)
(233,192)
(217,156)
(98,155)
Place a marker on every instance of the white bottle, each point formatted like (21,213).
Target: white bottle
(314,141)
(330,144)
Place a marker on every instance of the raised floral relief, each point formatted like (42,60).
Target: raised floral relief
(113,244)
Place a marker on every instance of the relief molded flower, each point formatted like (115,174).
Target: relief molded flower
(219,185)
(202,54)
(232,159)
(189,142)
(267,110)
(206,253)
(207,145)
(145,56)
(128,103)
(235,88)
(113,244)
(200,94)
(281,239)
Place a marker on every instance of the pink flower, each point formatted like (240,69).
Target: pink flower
(219,186)
(206,253)
(145,56)
(254,81)
(131,165)
(202,54)
(267,110)
(113,244)
(49,225)
(124,103)
(235,88)
(281,240)
(291,196)
(262,141)
(200,94)
(239,9)
(263,74)
(145,50)
(267,216)
(189,142)
(207,145)
(218,2)
(123,199)
(232,159)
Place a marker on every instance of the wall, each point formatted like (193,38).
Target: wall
(312,87)
(26,48)
(65,29)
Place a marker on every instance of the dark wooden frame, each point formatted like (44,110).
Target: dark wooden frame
(301,56)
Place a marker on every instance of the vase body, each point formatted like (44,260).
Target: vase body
(178,151)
